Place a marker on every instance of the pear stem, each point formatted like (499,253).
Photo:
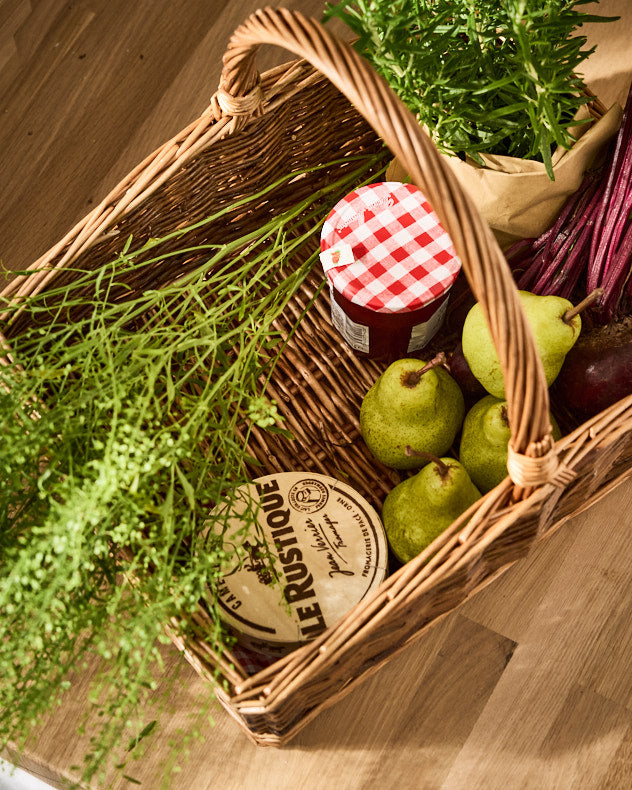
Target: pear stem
(412,378)
(444,469)
(592,297)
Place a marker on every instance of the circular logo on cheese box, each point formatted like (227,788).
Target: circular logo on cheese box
(308,495)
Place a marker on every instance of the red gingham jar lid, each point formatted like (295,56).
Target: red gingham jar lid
(383,247)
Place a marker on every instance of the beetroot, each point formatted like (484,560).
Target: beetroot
(461,373)
(597,371)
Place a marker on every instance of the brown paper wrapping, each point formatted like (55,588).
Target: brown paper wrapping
(516,196)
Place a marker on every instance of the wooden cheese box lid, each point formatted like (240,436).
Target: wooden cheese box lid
(316,549)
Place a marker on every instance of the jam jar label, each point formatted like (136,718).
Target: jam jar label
(339,255)
(421,334)
(356,335)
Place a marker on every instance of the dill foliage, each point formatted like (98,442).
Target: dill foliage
(484,76)
(125,419)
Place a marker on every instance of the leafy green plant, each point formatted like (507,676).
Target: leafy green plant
(126,417)
(493,76)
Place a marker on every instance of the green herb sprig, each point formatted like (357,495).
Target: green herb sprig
(483,77)
(122,429)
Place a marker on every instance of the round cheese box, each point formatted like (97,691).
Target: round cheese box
(315,549)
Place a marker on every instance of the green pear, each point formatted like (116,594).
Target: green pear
(554,337)
(484,441)
(417,510)
(408,407)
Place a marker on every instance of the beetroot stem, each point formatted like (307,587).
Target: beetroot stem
(583,205)
(568,216)
(520,252)
(612,171)
(531,273)
(613,194)
(616,218)
(616,278)
(559,271)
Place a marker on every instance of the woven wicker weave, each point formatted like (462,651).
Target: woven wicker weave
(257,128)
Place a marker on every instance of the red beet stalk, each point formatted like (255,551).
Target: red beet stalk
(590,244)
(612,199)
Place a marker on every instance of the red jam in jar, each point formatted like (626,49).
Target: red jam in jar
(390,266)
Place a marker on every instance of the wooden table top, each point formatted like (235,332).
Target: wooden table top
(527,685)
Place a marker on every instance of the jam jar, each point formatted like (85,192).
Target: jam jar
(390,266)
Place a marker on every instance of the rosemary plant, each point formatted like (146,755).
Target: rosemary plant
(121,430)
(493,76)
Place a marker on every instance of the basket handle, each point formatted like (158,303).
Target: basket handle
(533,460)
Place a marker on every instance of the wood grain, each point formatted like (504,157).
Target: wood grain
(525,686)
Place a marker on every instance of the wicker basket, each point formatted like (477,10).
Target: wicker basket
(257,128)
